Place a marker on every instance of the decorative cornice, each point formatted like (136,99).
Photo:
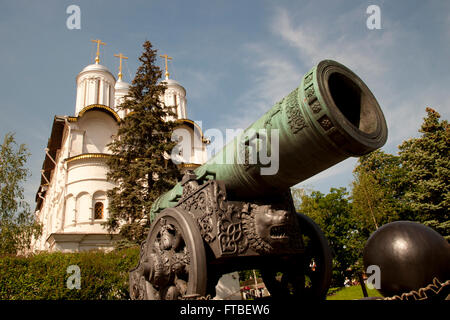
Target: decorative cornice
(88,156)
(189,165)
(97,106)
(90,78)
(193,124)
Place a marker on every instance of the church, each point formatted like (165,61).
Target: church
(71,201)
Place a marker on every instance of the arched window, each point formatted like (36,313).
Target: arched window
(98,210)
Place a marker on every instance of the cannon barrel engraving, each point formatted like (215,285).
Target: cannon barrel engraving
(331,116)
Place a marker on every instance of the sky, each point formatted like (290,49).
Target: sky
(235,59)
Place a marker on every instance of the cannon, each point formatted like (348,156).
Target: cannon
(236,211)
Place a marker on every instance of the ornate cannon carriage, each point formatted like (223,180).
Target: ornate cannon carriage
(236,211)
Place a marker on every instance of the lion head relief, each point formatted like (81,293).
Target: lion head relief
(267,227)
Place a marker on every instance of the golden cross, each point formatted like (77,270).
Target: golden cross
(97,57)
(166,57)
(120,56)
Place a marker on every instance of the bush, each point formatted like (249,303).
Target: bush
(44,275)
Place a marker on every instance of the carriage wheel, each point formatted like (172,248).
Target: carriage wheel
(305,276)
(175,262)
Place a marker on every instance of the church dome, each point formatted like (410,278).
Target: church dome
(175,97)
(121,85)
(95,85)
(95,67)
(171,82)
(174,84)
(121,90)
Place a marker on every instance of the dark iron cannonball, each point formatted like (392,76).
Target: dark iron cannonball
(409,255)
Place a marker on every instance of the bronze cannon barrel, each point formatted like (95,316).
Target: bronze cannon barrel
(330,117)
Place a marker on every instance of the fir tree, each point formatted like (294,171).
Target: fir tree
(427,162)
(140,165)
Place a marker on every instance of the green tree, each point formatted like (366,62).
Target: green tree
(427,162)
(17,223)
(140,163)
(378,191)
(332,213)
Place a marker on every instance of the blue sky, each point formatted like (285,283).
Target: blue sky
(235,59)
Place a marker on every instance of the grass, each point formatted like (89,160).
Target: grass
(352,293)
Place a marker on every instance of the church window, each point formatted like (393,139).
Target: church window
(98,210)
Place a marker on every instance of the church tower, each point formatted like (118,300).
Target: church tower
(190,135)
(95,85)
(175,94)
(121,88)
(71,201)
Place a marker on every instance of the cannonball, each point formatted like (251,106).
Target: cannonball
(409,255)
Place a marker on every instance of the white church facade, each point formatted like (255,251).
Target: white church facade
(71,200)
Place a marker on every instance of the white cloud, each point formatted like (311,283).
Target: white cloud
(201,84)
(276,72)
(405,113)
(273,77)
(315,44)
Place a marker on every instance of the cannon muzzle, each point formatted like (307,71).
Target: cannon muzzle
(331,116)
